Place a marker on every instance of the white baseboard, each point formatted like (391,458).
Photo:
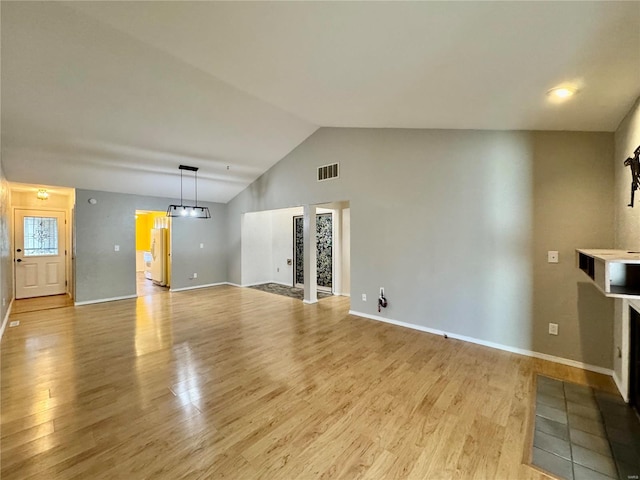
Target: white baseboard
(233,284)
(182,289)
(103,300)
(498,346)
(621,388)
(5,320)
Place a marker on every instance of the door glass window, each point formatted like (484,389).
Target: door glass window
(40,236)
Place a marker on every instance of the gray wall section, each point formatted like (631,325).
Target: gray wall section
(456,224)
(573,208)
(627,139)
(6,268)
(102,273)
(209,262)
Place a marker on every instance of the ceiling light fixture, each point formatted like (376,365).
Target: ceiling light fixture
(562,92)
(42,194)
(183,210)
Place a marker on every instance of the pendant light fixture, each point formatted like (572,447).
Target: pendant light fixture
(192,211)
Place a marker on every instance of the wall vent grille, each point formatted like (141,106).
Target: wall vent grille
(327,172)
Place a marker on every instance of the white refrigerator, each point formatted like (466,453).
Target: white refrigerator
(159,256)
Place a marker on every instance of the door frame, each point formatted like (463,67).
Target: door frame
(69,246)
(169,245)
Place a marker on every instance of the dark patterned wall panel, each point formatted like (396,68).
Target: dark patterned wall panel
(299,249)
(324,239)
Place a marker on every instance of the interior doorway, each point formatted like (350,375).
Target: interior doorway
(268,249)
(153,252)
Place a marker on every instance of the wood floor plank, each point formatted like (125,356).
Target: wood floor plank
(226,382)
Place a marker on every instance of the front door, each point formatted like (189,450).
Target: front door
(39,253)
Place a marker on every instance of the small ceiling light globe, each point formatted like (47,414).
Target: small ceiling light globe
(184,212)
(562,92)
(194,213)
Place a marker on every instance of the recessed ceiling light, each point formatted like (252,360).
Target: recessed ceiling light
(562,92)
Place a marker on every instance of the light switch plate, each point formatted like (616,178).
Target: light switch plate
(552,256)
(553,329)
(116,248)
(364,297)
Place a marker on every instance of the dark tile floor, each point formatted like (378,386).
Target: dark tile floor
(293,292)
(584,434)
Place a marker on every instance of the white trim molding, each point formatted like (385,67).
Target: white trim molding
(621,388)
(195,287)
(103,300)
(498,346)
(5,320)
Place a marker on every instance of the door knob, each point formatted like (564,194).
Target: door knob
(19,250)
(19,260)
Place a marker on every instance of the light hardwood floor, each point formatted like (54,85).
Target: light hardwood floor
(41,303)
(227,382)
(145,287)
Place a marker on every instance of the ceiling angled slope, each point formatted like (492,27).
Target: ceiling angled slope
(470,65)
(115,95)
(86,105)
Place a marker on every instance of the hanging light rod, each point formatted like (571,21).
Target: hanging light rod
(182,210)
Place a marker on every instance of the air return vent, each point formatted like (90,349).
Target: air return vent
(328,172)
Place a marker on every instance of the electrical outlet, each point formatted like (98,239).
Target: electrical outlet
(116,248)
(552,256)
(195,275)
(202,245)
(553,329)
(364,297)
(14,323)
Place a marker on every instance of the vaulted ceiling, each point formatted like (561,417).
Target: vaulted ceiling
(115,95)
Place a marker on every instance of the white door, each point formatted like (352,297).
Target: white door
(39,253)
(159,256)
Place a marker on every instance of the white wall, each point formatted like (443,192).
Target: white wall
(282,243)
(257,249)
